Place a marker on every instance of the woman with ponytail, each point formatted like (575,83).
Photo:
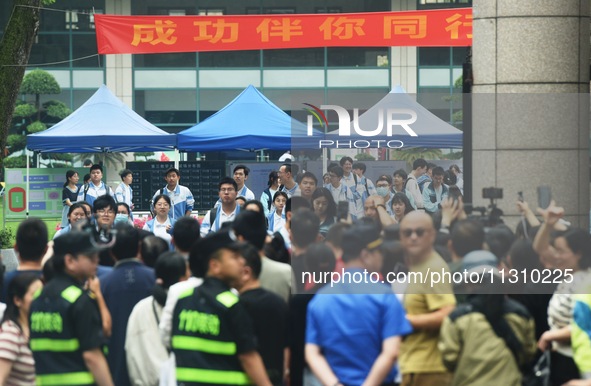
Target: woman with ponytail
(69,194)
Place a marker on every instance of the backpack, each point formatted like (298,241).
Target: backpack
(212,215)
(267,192)
(355,179)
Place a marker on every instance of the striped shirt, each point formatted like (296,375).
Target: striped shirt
(15,348)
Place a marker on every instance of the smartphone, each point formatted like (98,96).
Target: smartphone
(544,196)
(342,210)
(520,197)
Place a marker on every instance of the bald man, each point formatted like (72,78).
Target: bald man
(426,305)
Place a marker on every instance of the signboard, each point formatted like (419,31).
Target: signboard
(148,177)
(45,192)
(157,34)
(202,179)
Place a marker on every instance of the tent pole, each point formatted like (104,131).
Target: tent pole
(177,158)
(27,192)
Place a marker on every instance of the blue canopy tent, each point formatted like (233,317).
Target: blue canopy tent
(102,124)
(431,132)
(250,122)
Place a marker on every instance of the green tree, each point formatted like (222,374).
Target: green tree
(414,153)
(39,82)
(144,154)
(15,49)
(28,117)
(364,157)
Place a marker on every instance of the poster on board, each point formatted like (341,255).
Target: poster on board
(45,192)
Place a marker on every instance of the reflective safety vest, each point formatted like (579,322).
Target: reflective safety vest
(581,334)
(202,339)
(58,358)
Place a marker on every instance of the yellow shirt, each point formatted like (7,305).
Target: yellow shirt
(419,352)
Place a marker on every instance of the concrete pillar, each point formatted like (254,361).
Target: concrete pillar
(404,59)
(119,70)
(530,125)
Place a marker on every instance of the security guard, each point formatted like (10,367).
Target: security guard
(65,322)
(212,335)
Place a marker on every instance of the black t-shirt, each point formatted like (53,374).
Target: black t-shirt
(269,315)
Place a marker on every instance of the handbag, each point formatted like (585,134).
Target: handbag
(540,374)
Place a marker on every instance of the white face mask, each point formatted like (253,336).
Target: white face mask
(121,218)
(382,190)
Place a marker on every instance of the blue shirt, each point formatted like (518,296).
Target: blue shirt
(350,322)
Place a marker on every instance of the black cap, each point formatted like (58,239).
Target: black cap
(213,242)
(75,243)
(360,237)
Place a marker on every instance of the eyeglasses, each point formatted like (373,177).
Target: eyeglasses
(161,205)
(333,176)
(408,232)
(227,190)
(102,212)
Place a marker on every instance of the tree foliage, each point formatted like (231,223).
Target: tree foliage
(412,154)
(144,154)
(15,49)
(39,82)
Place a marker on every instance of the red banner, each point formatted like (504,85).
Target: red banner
(157,34)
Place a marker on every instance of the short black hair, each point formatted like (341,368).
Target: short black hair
(385,177)
(467,236)
(172,170)
(164,196)
(280,193)
(337,170)
(431,165)
(400,172)
(319,258)
(31,239)
(311,176)
(438,171)
(123,204)
(361,166)
(305,226)
(96,167)
(243,167)
(255,202)
(227,181)
(345,159)
(419,163)
(252,226)
(170,267)
(251,258)
(150,248)
(185,232)
(104,201)
(87,162)
(127,242)
(296,202)
(124,173)
(86,178)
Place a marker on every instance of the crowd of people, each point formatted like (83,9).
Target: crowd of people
(260,291)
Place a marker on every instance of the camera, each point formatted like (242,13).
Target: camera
(492,193)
